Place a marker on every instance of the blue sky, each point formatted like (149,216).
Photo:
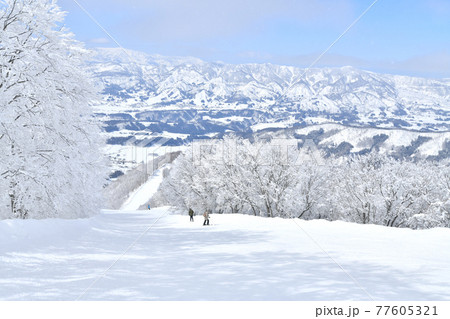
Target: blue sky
(396,36)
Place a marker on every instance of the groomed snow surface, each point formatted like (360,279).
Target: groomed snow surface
(236,258)
(141,196)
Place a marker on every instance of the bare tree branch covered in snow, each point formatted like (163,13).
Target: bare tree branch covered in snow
(50,161)
(236,176)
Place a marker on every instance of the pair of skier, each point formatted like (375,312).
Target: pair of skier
(205,215)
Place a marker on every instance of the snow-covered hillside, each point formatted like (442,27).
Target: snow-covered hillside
(420,144)
(343,140)
(237,258)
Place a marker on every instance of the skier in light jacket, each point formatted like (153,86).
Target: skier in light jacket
(206,215)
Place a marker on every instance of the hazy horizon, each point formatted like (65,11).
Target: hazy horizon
(408,38)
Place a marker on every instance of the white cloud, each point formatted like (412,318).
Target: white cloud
(440,7)
(436,64)
(99,41)
(204,19)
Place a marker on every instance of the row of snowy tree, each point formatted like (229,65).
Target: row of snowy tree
(50,163)
(276,179)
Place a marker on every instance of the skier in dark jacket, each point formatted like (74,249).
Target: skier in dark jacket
(191,214)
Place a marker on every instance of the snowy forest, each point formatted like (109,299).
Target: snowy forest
(50,159)
(51,164)
(276,179)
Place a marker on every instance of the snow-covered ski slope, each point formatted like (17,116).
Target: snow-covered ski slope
(144,193)
(236,258)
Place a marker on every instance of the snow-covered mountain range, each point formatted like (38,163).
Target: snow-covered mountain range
(139,82)
(148,96)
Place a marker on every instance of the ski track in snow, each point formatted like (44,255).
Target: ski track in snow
(237,258)
(141,196)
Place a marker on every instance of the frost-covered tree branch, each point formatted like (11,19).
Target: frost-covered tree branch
(45,99)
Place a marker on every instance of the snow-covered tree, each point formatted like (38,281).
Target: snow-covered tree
(308,197)
(192,182)
(50,161)
(433,200)
(258,178)
(381,190)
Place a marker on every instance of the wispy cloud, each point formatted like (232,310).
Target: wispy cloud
(99,41)
(439,7)
(435,65)
(204,19)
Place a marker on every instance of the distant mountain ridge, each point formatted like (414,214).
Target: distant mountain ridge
(135,82)
(339,140)
(151,99)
